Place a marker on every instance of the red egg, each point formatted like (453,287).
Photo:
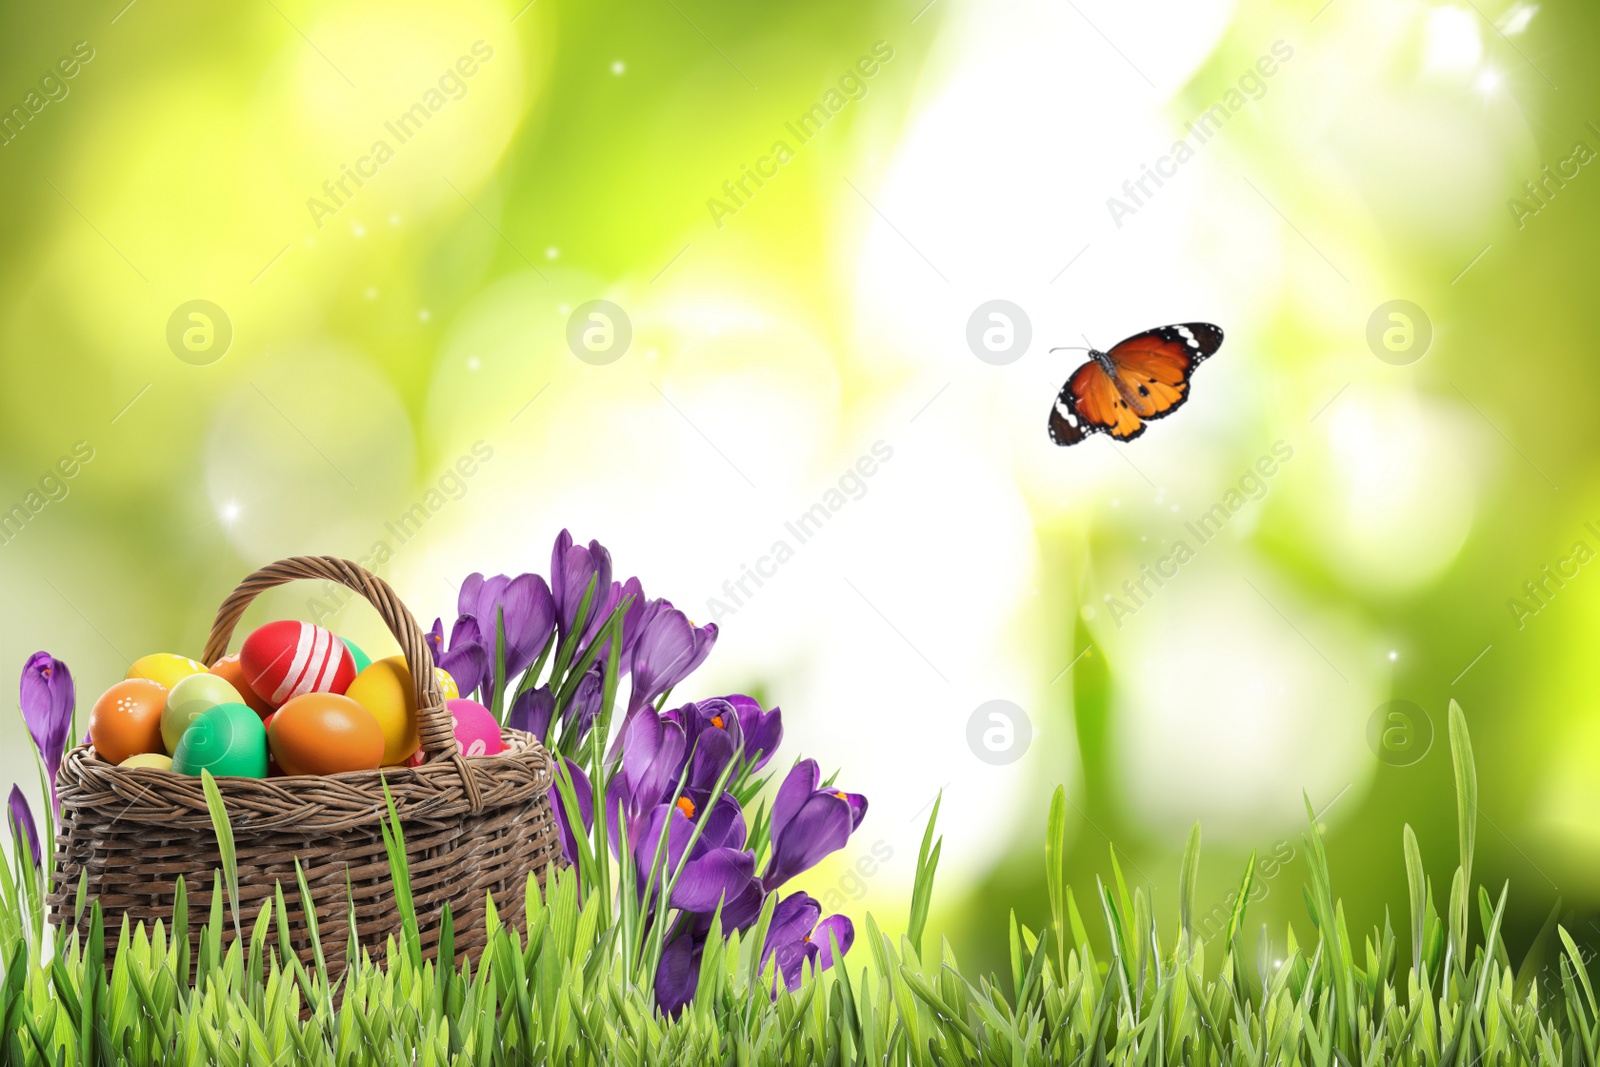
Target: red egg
(324,733)
(287,659)
(126,720)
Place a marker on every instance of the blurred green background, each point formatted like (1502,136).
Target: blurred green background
(517,162)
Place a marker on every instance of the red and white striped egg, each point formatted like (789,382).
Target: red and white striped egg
(286,659)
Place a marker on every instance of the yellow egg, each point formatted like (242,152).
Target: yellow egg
(164,668)
(384,689)
(153,760)
(446,683)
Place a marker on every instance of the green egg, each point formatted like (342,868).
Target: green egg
(192,697)
(363,661)
(225,740)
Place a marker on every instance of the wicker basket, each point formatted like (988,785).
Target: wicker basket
(472,827)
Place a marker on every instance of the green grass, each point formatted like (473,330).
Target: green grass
(567,991)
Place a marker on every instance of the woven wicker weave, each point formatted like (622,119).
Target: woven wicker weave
(472,826)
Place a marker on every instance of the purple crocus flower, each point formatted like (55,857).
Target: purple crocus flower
(22,816)
(808,823)
(800,941)
(584,709)
(717,867)
(668,649)
(678,974)
(762,730)
(653,750)
(465,659)
(713,732)
(585,797)
(48,697)
(531,711)
(526,607)
(632,621)
(572,568)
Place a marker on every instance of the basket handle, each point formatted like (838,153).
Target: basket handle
(434,724)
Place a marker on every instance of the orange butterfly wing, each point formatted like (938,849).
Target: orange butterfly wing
(1091,403)
(1150,381)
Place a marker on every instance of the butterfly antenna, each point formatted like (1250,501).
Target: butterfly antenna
(1072,348)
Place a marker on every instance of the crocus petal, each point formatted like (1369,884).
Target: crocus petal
(819,828)
(666,642)
(797,786)
(491,594)
(792,960)
(652,757)
(467,597)
(22,815)
(607,601)
(725,826)
(572,568)
(713,733)
(705,637)
(792,919)
(631,621)
(468,664)
(530,615)
(762,730)
(742,911)
(47,696)
(584,708)
(842,930)
(678,974)
(721,874)
(531,710)
(858,807)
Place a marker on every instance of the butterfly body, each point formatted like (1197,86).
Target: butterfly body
(1140,379)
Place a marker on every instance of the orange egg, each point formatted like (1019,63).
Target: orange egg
(228,668)
(126,720)
(324,733)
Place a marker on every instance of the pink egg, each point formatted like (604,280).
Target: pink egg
(476,731)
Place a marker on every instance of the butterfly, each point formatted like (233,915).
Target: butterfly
(1143,378)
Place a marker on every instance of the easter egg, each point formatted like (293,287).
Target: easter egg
(476,731)
(362,660)
(164,668)
(190,697)
(227,739)
(286,659)
(324,733)
(228,667)
(126,720)
(152,760)
(447,684)
(384,689)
